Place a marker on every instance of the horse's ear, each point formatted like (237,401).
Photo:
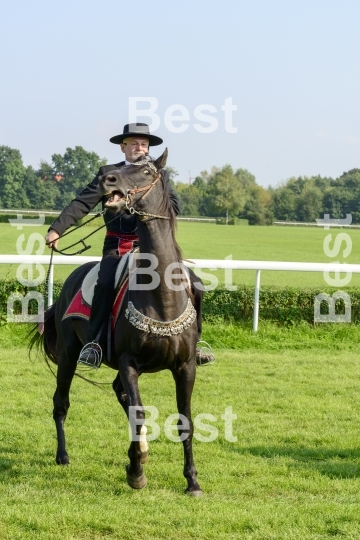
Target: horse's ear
(161,161)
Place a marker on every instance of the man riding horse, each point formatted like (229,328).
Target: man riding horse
(120,238)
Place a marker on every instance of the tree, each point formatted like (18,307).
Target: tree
(74,170)
(350,179)
(322,183)
(284,204)
(225,194)
(332,203)
(172,174)
(343,196)
(257,207)
(41,192)
(189,199)
(297,185)
(246,179)
(309,204)
(12,176)
(200,184)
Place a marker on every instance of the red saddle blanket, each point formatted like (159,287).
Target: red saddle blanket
(79,309)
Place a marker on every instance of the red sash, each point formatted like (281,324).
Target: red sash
(125,241)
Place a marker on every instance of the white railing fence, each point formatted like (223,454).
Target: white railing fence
(54,213)
(226,264)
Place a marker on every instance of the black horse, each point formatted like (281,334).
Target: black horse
(156,329)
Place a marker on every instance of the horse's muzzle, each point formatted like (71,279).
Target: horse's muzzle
(109,187)
(114,198)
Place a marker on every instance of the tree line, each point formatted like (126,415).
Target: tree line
(221,192)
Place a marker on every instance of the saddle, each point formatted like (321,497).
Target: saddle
(80,305)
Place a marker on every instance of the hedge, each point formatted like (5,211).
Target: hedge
(282,305)
(48,220)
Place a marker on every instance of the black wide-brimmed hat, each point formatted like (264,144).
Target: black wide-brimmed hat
(137,130)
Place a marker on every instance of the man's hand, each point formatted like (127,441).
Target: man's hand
(52,239)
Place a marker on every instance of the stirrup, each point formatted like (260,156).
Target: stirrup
(90,356)
(204,355)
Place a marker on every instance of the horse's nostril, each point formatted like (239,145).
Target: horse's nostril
(110,179)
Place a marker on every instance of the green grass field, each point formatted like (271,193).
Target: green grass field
(211,241)
(293,473)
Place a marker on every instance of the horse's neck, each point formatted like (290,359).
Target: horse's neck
(155,238)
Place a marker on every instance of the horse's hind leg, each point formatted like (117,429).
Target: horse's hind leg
(65,374)
(184,386)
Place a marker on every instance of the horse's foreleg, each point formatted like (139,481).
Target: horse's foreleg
(184,386)
(61,402)
(138,447)
(122,399)
(120,394)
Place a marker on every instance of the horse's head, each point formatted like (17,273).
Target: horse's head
(129,186)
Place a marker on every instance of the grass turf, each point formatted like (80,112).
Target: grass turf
(211,241)
(293,473)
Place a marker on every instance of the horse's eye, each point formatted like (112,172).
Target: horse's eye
(146,171)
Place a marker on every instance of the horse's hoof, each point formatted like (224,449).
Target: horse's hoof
(194,493)
(63,460)
(136,482)
(144,457)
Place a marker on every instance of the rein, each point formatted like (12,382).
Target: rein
(82,240)
(62,252)
(147,190)
(129,208)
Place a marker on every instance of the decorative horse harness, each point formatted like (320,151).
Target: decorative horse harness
(135,317)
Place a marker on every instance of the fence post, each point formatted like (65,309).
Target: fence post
(51,286)
(256,301)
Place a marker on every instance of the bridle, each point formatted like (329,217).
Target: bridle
(131,209)
(145,190)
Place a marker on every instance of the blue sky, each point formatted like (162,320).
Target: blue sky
(291,67)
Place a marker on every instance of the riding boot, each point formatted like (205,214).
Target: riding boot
(103,300)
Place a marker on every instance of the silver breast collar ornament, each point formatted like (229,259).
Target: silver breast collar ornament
(160,328)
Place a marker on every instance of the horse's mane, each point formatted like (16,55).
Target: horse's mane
(167,209)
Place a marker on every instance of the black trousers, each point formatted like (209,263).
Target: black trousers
(105,294)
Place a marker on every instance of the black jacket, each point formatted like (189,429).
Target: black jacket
(90,197)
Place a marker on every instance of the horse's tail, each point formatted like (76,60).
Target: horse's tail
(45,341)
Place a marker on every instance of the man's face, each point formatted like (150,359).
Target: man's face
(134,147)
